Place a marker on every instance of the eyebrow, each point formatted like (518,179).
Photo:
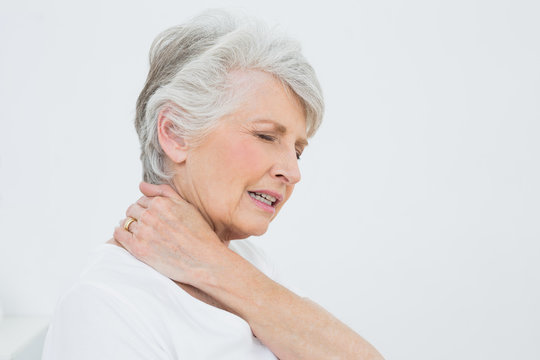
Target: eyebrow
(282,130)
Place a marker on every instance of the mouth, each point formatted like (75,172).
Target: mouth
(265,199)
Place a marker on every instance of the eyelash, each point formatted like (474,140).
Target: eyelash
(272,138)
(266,137)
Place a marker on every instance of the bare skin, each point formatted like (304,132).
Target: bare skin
(191,290)
(183,231)
(291,326)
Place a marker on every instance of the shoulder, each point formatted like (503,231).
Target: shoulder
(91,321)
(111,301)
(114,276)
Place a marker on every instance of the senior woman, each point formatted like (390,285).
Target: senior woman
(224,116)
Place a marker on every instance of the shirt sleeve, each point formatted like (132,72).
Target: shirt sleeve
(95,323)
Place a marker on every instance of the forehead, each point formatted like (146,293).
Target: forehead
(261,98)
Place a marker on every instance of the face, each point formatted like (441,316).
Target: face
(243,172)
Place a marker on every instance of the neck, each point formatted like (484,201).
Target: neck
(189,194)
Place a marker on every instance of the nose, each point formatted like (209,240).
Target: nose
(286,169)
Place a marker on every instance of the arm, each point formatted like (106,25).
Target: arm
(171,236)
(291,326)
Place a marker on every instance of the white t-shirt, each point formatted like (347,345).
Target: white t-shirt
(121,308)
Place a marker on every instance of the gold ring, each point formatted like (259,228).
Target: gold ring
(128,222)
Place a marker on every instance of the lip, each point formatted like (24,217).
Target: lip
(264,206)
(278,196)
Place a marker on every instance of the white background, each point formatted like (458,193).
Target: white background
(416,221)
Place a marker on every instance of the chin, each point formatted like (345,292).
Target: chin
(253,230)
(259,231)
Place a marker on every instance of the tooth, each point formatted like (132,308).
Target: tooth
(261,199)
(267,196)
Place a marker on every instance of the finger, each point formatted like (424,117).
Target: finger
(144,201)
(135,211)
(132,226)
(152,190)
(124,237)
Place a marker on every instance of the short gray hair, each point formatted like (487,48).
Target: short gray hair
(189,77)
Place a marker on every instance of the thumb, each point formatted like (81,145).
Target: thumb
(152,190)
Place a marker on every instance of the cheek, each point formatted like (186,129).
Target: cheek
(237,163)
(244,159)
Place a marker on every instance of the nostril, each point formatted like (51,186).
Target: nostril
(283,177)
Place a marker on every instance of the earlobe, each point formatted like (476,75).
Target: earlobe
(172,143)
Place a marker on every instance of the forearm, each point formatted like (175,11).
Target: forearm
(291,326)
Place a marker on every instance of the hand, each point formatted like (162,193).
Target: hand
(170,235)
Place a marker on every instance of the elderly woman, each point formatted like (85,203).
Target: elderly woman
(223,118)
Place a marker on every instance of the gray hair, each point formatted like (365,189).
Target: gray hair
(189,77)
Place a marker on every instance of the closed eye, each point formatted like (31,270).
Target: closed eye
(266,137)
(272,139)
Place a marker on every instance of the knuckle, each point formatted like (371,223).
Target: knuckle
(146,218)
(157,202)
(144,234)
(129,209)
(160,202)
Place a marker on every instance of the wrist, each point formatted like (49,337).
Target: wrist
(234,282)
(210,276)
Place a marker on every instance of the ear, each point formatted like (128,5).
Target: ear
(174,146)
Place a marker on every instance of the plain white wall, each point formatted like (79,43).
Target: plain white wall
(416,221)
